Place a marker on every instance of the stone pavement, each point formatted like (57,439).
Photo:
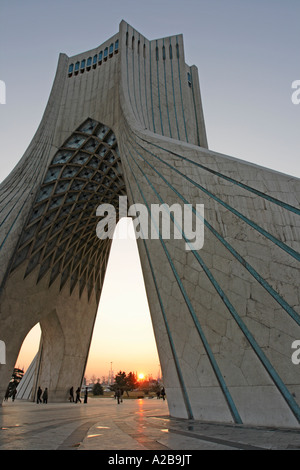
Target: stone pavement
(135,425)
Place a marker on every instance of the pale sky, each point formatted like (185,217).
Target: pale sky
(247,54)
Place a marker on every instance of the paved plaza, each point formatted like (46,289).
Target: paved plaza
(134,425)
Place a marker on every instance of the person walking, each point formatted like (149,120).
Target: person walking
(78,395)
(45,395)
(163,393)
(38,395)
(71,396)
(85,395)
(118,395)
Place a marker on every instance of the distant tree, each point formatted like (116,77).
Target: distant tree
(125,382)
(121,380)
(97,389)
(131,381)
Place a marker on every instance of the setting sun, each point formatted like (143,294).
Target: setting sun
(141,376)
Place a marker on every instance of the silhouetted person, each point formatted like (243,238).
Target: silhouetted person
(118,395)
(45,396)
(158,394)
(78,395)
(163,393)
(85,395)
(71,397)
(38,395)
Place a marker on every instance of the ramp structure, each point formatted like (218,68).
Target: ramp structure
(126,119)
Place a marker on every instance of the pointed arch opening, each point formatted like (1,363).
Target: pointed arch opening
(123,337)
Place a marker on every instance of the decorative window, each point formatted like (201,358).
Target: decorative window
(75,141)
(189,79)
(170,52)
(164,52)
(132,42)
(100,57)
(157,53)
(89,63)
(111,50)
(139,43)
(82,65)
(95,59)
(177,50)
(77,68)
(105,53)
(144,51)
(127,38)
(117,46)
(71,68)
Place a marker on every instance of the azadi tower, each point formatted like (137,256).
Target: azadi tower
(126,119)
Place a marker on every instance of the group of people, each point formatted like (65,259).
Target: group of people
(11,394)
(42,397)
(78,399)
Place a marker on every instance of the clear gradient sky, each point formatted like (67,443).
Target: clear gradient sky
(247,54)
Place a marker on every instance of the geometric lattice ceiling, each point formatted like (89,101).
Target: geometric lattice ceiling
(60,234)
